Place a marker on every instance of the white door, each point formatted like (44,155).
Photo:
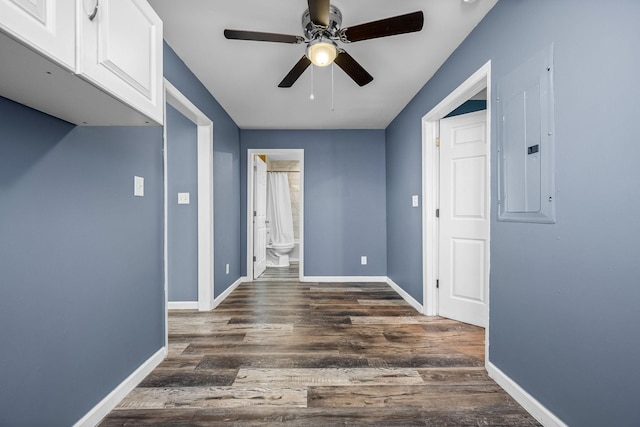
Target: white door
(464,218)
(259,217)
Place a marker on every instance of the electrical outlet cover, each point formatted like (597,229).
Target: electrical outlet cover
(138,186)
(183,198)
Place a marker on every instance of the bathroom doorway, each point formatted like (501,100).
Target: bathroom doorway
(275,214)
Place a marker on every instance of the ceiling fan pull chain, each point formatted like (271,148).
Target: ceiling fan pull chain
(332,68)
(311,97)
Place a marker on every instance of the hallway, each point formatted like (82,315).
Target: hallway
(301,354)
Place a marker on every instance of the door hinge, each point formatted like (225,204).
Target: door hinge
(255,213)
(437,213)
(438,141)
(254,259)
(437,283)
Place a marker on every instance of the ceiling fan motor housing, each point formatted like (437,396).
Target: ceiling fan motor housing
(313,31)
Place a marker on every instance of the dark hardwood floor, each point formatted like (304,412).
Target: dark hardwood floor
(299,354)
(281,274)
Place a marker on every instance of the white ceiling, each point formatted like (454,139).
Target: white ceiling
(244,75)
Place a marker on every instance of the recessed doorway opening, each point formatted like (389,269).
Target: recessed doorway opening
(275,214)
(204,163)
(472,202)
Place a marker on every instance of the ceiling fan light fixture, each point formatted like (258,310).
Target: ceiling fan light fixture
(321,52)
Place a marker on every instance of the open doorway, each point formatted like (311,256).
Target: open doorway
(468,199)
(275,214)
(204,197)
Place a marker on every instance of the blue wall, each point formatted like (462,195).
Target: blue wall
(81,294)
(564,297)
(182,176)
(81,258)
(469,106)
(344,197)
(226,170)
(404,222)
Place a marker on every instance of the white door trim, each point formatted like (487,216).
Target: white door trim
(205,195)
(430,173)
(297,154)
(260,178)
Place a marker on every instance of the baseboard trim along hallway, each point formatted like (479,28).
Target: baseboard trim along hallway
(225,294)
(344,279)
(106,405)
(528,402)
(408,298)
(182,305)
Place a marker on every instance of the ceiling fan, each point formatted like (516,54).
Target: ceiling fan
(321,27)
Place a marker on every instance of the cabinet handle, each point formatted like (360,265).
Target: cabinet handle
(95,11)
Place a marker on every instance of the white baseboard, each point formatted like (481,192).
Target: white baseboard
(344,279)
(98,412)
(528,402)
(230,289)
(408,298)
(182,305)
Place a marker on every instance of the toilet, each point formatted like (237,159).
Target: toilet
(278,254)
(279,220)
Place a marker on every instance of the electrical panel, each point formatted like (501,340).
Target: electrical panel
(526,188)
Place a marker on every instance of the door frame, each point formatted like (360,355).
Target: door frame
(430,178)
(258,163)
(296,154)
(204,143)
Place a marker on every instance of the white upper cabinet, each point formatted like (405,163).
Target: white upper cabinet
(46,26)
(122,52)
(113,49)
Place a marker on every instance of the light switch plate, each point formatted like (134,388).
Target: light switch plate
(183,198)
(363,260)
(414,201)
(138,186)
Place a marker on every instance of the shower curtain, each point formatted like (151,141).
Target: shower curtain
(279,208)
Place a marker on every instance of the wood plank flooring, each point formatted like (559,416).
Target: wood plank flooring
(294,354)
(282,274)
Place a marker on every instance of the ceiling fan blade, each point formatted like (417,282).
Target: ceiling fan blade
(262,37)
(353,69)
(319,12)
(295,72)
(409,23)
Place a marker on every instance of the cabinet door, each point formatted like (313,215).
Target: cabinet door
(121,52)
(47,26)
